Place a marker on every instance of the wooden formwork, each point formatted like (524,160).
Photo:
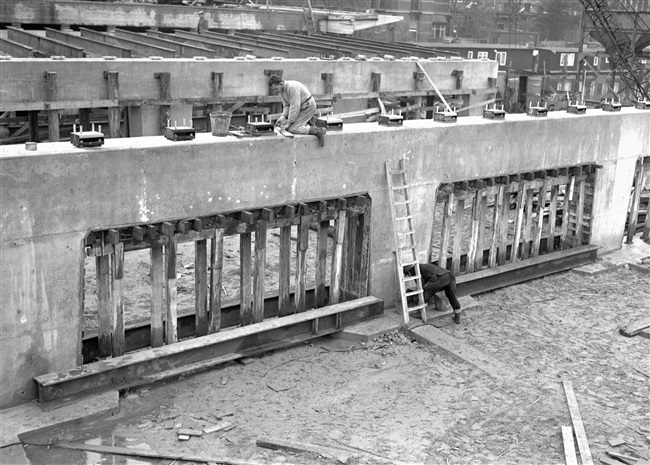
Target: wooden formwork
(488,223)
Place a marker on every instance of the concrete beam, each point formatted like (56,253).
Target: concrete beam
(80,82)
(182,50)
(16,49)
(44,44)
(53,197)
(138,48)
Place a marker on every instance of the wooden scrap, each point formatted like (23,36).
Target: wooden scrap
(220,416)
(102,449)
(189,432)
(578,427)
(297,446)
(570,457)
(224,380)
(635,327)
(183,437)
(628,459)
(214,428)
(608,461)
(617,441)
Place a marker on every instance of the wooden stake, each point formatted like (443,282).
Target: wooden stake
(321,263)
(580,208)
(284,281)
(171,324)
(447,213)
(245,290)
(201,286)
(474,232)
(497,226)
(482,206)
(539,227)
(504,227)
(528,224)
(260,267)
(521,203)
(157,301)
(337,256)
(458,236)
(302,244)
(119,343)
(216,276)
(552,212)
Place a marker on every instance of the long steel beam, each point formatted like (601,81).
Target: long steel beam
(525,270)
(194,355)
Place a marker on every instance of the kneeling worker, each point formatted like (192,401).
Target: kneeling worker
(434,279)
(298,108)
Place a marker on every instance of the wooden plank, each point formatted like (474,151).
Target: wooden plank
(201,286)
(580,208)
(570,457)
(527,225)
(447,212)
(474,232)
(119,343)
(141,367)
(104,306)
(482,206)
(552,212)
(568,196)
(302,244)
(497,226)
(539,226)
(521,271)
(504,227)
(245,276)
(519,221)
(321,263)
(260,271)
(284,280)
(148,453)
(341,456)
(52,95)
(216,277)
(350,259)
(337,257)
(636,202)
(458,236)
(171,335)
(364,266)
(578,427)
(157,298)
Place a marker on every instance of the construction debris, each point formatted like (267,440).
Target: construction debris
(578,427)
(297,446)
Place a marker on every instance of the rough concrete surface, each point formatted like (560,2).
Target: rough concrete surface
(393,400)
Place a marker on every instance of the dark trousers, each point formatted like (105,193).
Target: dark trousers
(445,282)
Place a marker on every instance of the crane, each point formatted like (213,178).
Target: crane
(624,33)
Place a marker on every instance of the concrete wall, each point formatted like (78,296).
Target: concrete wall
(52,197)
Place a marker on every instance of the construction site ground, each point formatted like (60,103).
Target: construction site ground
(393,400)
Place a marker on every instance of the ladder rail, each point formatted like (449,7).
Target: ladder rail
(406,221)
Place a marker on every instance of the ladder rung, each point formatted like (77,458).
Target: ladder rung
(406,202)
(411,278)
(417,307)
(408,263)
(402,218)
(408,247)
(401,188)
(405,233)
(415,292)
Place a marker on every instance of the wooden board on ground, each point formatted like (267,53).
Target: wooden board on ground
(570,457)
(578,427)
(297,446)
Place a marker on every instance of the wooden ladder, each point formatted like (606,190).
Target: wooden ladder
(405,246)
(309,18)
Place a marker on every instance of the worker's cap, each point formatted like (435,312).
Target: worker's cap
(200,12)
(274,80)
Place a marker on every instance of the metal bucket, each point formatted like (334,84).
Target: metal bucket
(220,122)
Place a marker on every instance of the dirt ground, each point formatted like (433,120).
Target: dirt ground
(397,401)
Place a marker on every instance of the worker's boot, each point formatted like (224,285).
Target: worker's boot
(457,316)
(318,132)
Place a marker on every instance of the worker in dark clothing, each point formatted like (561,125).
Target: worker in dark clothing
(203,23)
(435,279)
(298,108)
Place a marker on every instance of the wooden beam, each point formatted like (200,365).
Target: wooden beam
(171,334)
(114,112)
(104,306)
(570,457)
(157,296)
(201,286)
(458,236)
(259,273)
(216,276)
(147,366)
(119,343)
(286,307)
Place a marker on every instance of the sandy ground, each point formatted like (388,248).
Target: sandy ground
(397,401)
